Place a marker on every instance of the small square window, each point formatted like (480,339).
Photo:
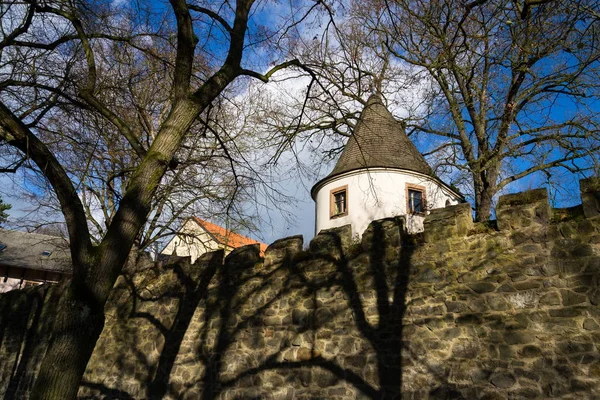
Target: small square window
(415,196)
(339,202)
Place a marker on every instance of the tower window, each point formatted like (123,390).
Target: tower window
(415,196)
(339,202)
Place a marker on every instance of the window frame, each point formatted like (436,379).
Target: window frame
(332,194)
(416,188)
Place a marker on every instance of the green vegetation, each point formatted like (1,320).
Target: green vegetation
(3,208)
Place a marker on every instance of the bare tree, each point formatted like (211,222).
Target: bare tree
(498,90)
(52,58)
(208,179)
(512,85)
(309,122)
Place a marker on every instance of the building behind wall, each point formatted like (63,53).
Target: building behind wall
(197,236)
(31,259)
(379,174)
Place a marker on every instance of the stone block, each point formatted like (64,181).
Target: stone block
(453,221)
(518,337)
(590,325)
(530,351)
(482,287)
(503,380)
(571,298)
(283,249)
(590,196)
(521,210)
(333,243)
(242,260)
(384,232)
(550,299)
(498,303)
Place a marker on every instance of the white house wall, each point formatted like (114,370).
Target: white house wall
(192,240)
(10,284)
(375,194)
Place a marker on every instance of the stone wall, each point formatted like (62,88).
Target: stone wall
(491,311)
(25,320)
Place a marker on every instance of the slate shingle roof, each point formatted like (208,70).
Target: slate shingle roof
(25,250)
(379,140)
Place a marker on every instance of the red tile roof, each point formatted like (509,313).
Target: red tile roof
(228,238)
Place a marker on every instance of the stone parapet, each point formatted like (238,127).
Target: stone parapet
(387,231)
(590,196)
(283,249)
(334,242)
(469,313)
(453,221)
(242,262)
(522,210)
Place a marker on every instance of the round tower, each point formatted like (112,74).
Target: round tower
(379,174)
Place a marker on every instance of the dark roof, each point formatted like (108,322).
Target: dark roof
(34,251)
(379,140)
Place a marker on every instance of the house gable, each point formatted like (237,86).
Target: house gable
(198,236)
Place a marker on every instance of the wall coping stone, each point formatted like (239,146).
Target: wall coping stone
(287,247)
(242,258)
(393,229)
(590,196)
(328,241)
(452,221)
(520,210)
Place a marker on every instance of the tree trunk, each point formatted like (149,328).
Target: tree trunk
(485,188)
(80,317)
(77,326)
(483,206)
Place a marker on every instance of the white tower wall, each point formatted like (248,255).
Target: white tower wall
(379,193)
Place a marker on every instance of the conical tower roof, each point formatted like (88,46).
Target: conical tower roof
(379,141)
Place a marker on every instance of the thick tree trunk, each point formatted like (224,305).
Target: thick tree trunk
(80,317)
(483,205)
(485,188)
(77,326)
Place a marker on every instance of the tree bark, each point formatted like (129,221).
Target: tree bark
(486,187)
(483,205)
(80,314)
(77,327)
(80,317)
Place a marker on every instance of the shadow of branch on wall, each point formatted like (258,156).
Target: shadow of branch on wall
(194,288)
(165,298)
(253,329)
(372,320)
(19,322)
(25,321)
(248,328)
(334,322)
(373,288)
